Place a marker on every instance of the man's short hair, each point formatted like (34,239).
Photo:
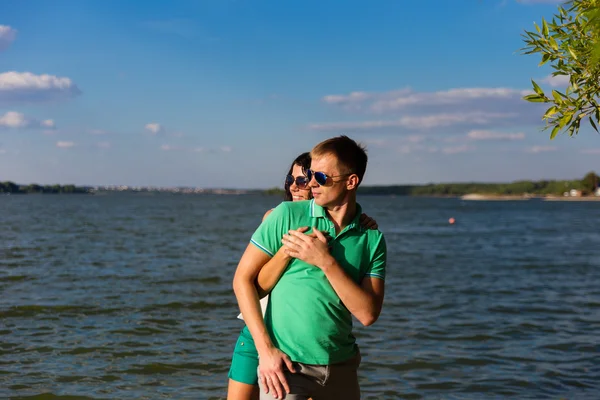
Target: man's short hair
(352,156)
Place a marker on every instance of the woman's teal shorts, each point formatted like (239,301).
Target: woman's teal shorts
(244,363)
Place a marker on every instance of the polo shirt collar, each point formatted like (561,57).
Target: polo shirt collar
(316,211)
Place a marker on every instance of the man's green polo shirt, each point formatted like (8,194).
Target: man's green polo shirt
(305,317)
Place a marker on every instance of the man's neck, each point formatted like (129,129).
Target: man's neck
(342,215)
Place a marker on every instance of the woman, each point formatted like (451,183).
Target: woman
(243,378)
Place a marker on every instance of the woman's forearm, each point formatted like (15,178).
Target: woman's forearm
(271,272)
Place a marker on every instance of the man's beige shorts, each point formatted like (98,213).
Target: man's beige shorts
(322,382)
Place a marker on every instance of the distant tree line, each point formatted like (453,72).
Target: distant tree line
(587,185)
(13,188)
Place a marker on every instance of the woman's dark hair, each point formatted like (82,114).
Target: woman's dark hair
(303,160)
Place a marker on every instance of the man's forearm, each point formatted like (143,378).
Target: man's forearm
(364,305)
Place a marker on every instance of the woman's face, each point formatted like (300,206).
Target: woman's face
(297,193)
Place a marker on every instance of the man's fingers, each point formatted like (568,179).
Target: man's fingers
(263,380)
(283,382)
(302,229)
(277,391)
(271,387)
(289,365)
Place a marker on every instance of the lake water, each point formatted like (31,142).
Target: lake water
(129,297)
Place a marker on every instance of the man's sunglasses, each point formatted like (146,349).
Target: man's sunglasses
(301,181)
(321,177)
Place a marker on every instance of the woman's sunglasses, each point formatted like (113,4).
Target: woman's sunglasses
(301,181)
(321,177)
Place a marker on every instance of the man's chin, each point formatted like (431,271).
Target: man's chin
(319,200)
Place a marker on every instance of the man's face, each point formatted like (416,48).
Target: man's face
(334,191)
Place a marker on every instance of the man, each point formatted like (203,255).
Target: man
(308,320)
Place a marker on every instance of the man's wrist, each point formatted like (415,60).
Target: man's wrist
(264,347)
(327,264)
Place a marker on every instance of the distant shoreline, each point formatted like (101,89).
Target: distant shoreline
(493,197)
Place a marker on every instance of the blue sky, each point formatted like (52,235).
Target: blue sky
(225,93)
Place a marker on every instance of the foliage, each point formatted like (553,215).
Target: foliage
(275,191)
(13,188)
(570,43)
(590,182)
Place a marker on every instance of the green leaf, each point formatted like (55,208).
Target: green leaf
(557,98)
(594,125)
(537,28)
(534,98)
(537,88)
(575,127)
(550,112)
(534,36)
(545,28)
(565,119)
(545,59)
(554,132)
(562,11)
(570,50)
(553,43)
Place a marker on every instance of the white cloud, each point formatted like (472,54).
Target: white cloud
(392,101)
(2,151)
(448,97)
(422,122)
(7,36)
(13,119)
(590,151)
(168,147)
(457,149)
(416,148)
(64,145)
(97,132)
(154,128)
(222,149)
(401,144)
(415,138)
(540,149)
(103,145)
(48,123)
(17,120)
(491,135)
(454,110)
(28,87)
(376,142)
(558,80)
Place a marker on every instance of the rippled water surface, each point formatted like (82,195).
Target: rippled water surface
(129,297)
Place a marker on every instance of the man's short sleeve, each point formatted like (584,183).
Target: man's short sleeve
(267,236)
(378,260)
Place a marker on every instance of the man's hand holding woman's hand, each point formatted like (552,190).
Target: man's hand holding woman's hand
(312,248)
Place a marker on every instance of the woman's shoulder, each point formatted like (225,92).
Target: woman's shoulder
(267,214)
(288,206)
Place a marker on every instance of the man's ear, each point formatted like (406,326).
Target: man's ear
(352,182)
